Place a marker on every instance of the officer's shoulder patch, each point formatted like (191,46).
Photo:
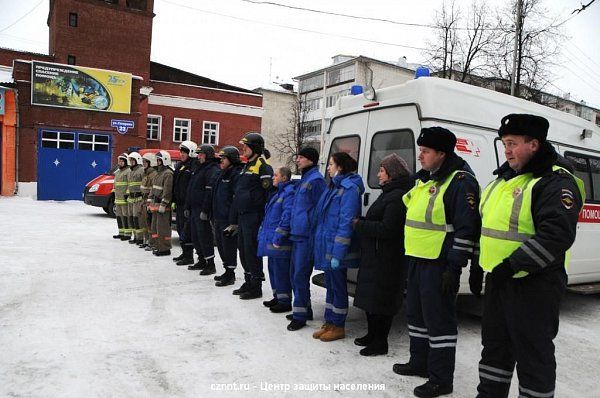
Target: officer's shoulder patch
(460,176)
(266,183)
(567,198)
(471,200)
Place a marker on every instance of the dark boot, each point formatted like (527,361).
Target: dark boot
(120,225)
(379,328)
(228,278)
(270,303)
(309,317)
(162,253)
(432,390)
(280,307)
(188,256)
(242,289)
(181,256)
(199,265)
(254,292)
(295,325)
(367,338)
(406,369)
(210,267)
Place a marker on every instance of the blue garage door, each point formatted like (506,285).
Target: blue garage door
(68,160)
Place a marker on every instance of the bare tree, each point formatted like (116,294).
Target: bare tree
(291,141)
(442,48)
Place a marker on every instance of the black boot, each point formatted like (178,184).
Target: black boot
(199,265)
(280,307)
(181,256)
(379,328)
(295,325)
(162,253)
(242,289)
(406,369)
(254,292)
(367,338)
(432,390)
(270,303)
(210,267)
(228,278)
(188,256)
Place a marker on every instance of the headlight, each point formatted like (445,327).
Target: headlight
(94,188)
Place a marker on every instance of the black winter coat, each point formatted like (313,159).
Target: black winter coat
(382,271)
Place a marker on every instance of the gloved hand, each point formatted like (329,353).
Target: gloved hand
(502,273)
(231,230)
(450,282)
(162,208)
(203,216)
(335,263)
(173,206)
(186,213)
(476,280)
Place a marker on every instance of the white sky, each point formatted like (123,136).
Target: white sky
(239,43)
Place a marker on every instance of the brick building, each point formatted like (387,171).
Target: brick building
(50,152)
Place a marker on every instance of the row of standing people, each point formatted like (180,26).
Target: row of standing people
(442,224)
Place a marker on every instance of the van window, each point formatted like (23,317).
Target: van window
(588,169)
(400,142)
(349,144)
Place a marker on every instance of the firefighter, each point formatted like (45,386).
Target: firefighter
(255,181)
(529,220)
(274,241)
(149,163)
(120,190)
(442,226)
(134,196)
(223,213)
(181,180)
(198,208)
(310,188)
(160,204)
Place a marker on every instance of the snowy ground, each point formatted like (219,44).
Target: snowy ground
(83,315)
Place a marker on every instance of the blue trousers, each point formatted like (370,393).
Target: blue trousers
(279,275)
(202,235)
(431,318)
(336,299)
(301,269)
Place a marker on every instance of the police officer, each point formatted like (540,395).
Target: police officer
(120,190)
(310,188)
(160,204)
(134,196)
(529,220)
(224,216)
(274,243)
(199,206)
(181,180)
(255,181)
(149,163)
(442,226)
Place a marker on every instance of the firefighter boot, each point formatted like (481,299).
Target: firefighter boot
(199,265)
(188,256)
(228,278)
(254,292)
(210,267)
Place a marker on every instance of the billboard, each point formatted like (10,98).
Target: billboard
(76,87)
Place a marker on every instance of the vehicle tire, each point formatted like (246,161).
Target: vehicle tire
(110,208)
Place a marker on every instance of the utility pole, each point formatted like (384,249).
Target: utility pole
(516,48)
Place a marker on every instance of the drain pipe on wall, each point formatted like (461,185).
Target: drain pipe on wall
(17,134)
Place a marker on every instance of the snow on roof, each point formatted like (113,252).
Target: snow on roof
(273,87)
(6,74)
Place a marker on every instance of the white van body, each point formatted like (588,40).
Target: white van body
(372,129)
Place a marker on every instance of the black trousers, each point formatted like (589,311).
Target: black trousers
(226,245)
(248,225)
(378,329)
(431,318)
(202,235)
(520,322)
(183,227)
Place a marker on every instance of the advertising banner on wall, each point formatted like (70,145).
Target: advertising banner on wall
(77,87)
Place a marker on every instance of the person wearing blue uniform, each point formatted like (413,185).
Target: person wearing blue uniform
(254,183)
(274,242)
(199,206)
(336,246)
(308,191)
(441,228)
(223,214)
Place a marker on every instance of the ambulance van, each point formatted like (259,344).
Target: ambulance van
(390,120)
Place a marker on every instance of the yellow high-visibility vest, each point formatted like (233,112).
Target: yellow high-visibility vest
(426,228)
(506,219)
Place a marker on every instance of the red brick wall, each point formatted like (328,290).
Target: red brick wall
(108,36)
(7,56)
(183,90)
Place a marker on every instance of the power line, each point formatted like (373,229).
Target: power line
(19,19)
(585,55)
(411,24)
(592,74)
(295,28)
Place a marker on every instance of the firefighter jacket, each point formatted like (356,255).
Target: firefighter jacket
(162,186)
(121,185)
(147,180)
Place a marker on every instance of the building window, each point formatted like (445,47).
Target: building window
(71,59)
(153,127)
(137,4)
(58,140)
(312,104)
(311,83)
(311,128)
(210,133)
(333,98)
(93,142)
(340,75)
(73,19)
(181,129)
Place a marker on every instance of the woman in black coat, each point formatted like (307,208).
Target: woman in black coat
(382,272)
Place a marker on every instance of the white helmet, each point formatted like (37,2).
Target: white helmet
(151,158)
(165,158)
(135,156)
(190,147)
(124,157)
